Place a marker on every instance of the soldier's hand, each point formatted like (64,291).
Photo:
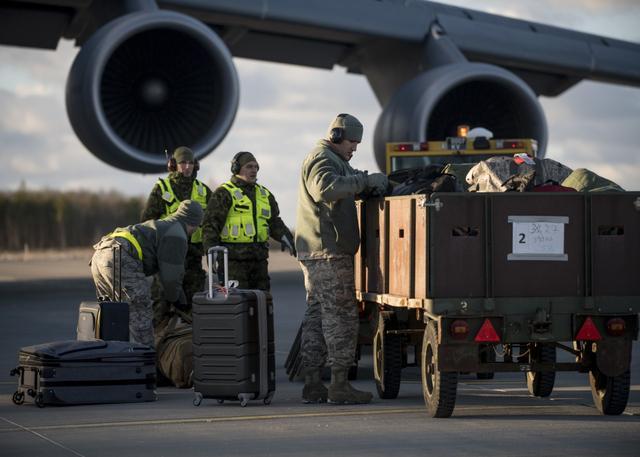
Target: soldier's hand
(287,243)
(378,183)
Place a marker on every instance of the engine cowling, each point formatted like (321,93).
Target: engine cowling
(148,82)
(431,106)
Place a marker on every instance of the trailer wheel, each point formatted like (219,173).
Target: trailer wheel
(438,388)
(540,383)
(387,358)
(610,393)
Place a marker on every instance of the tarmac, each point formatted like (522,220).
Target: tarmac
(39,299)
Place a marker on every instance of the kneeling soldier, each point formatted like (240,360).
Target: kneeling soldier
(155,246)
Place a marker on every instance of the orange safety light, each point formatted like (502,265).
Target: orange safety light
(463,130)
(459,329)
(616,326)
(487,334)
(588,331)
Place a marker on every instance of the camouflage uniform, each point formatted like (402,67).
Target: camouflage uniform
(163,246)
(194,278)
(248,262)
(327,237)
(330,324)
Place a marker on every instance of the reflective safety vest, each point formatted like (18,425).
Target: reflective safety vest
(239,226)
(130,238)
(198,194)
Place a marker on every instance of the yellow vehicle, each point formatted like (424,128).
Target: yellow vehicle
(453,150)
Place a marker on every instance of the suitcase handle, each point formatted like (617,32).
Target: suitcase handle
(212,257)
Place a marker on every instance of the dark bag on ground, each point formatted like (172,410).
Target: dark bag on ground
(174,347)
(85,372)
(105,319)
(233,344)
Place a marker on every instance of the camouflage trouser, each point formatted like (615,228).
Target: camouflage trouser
(330,326)
(251,274)
(135,288)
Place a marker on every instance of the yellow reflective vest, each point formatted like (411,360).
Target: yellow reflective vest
(198,194)
(240,226)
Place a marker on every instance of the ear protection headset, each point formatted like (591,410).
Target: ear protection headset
(337,133)
(235,162)
(172,165)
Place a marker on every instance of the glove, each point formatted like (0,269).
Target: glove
(377,183)
(287,243)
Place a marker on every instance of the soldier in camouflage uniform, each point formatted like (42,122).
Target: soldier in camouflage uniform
(180,184)
(156,246)
(327,237)
(242,215)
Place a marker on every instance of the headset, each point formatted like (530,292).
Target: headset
(172,165)
(337,133)
(235,162)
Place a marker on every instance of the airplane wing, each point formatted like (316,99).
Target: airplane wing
(431,66)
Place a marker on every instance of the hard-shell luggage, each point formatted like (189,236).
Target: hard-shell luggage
(85,372)
(233,343)
(105,319)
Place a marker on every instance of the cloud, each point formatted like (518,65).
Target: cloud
(285,109)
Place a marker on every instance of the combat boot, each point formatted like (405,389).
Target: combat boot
(313,391)
(341,392)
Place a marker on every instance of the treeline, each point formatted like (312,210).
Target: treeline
(50,219)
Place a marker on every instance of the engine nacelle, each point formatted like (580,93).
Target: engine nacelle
(433,104)
(148,82)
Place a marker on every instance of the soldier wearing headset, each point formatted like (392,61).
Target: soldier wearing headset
(180,184)
(327,237)
(242,215)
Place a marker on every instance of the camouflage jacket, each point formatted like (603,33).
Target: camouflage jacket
(216,215)
(156,206)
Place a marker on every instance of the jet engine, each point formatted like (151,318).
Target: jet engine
(431,106)
(148,82)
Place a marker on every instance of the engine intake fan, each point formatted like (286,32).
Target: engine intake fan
(149,82)
(432,105)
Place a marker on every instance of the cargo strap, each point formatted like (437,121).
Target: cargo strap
(130,238)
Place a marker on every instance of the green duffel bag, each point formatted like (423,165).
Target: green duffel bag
(584,180)
(174,352)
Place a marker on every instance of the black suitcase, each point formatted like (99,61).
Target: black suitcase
(85,372)
(105,319)
(233,344)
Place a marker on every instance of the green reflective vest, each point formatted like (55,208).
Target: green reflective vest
(198,194)
(240,226)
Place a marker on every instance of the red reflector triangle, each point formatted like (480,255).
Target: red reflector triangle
(487,333)
(588,331)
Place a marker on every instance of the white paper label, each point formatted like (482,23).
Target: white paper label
(538,238)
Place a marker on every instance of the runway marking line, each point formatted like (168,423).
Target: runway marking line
(206,420)
(49,440)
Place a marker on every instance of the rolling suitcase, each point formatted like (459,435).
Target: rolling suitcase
(105,319)
(233,344)
(85,372)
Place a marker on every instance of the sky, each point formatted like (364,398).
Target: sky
(285,109)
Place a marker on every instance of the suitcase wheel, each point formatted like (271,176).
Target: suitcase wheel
(18,397)
(197,399)
(39,401)
(267,399)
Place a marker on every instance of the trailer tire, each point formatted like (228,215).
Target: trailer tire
(387,358)
(540,383)
(610,393)
(438,388)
